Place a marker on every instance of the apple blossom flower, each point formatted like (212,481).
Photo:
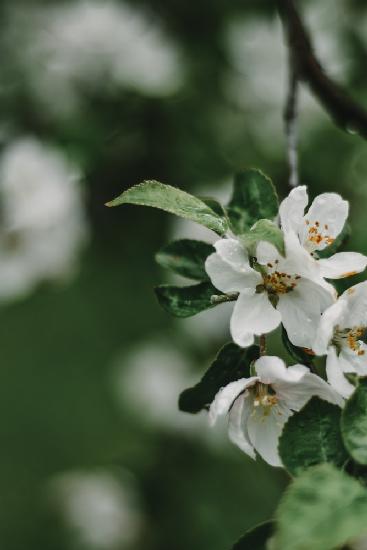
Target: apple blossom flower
(340,336)
(43,226)
(259,406)
(276,292)
(317,229)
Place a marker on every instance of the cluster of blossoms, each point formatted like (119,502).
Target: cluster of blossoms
(292,289)
(277,264)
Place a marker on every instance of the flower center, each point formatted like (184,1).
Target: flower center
(353,338)
(276,282)
(317,235)
(265,398)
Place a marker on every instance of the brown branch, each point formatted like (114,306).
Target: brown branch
(345,112)
(291,123)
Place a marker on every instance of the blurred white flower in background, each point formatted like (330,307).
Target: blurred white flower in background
(91,44)
(101,509)
(149,379)
(42,221)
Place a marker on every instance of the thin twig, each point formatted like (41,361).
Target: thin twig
(291,123)
(345,112)
(262,344)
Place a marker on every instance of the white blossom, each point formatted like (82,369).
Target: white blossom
(259,406)
(277,292)
(340,336)
(91,45)
(319,228)
(42,225)
(99,507)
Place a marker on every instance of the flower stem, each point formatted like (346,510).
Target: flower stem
(262,344)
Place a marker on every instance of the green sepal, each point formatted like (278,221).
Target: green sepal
(231,363)
(263,230)
(185,301)
(186,257)
(322,509)
(254,198)
(256,538)
(165,197)
(312,436)
(354,423)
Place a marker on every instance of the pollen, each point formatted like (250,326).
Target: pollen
(317,236)
(309,351)
(264,398)
(352,338)
(349,274)
(280,283)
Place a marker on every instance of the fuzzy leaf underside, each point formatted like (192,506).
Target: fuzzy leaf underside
(170,199)
(185,301)
(312,436)
(231,363)
(186,257)
(254,198)
(321,510)
(354,423)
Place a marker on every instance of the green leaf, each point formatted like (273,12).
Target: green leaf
(231,363)
(214,205)
(299,354)
(354,423)
(256,538)
(254,198)
(312,436)
(321,510)
(173,200)
(186,257)
(185,301)
(263,230)
(339,241)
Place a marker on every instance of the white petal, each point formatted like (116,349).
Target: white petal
(237,424)
(266,253)
(330,211)
(301,311)
(342,264)
(252,314)
(331,317)
(355,313)
(233,253)
(335,376)
(292,208)
(350,361)
(227,279)
(300,262)
(226,396)
(272,369)
(264,431)
(297,393)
